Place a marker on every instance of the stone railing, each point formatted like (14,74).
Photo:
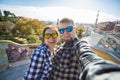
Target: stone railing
(11,52)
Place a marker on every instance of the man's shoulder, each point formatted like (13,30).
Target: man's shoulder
(79,41)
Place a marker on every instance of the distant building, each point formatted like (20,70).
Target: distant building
(112,28)
(117,30)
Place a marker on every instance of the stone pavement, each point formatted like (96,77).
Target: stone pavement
(14,71)
(14,64)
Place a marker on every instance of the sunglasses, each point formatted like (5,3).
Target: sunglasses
(53,35)
(68,29)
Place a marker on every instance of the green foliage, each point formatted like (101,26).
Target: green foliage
(1,28)
(26,28)
(6,13)
(3,55)
(1,18)
(9,16)
(33,39)
(80,32)
(2,37)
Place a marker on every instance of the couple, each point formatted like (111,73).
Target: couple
(73,60)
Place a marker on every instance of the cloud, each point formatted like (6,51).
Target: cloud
(54,13)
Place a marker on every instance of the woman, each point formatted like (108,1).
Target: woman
(41,60)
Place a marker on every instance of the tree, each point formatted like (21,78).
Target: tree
(28,28)
(80,31)
(6,13)
(2,29)
(22,29)
(38,26)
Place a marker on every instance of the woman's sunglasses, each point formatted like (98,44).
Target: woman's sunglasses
(53,35)
(68,29)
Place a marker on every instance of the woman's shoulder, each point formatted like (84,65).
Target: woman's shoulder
(40,49)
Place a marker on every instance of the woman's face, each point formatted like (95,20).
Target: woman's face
(50,38)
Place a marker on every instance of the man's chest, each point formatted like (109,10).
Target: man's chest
(65,57)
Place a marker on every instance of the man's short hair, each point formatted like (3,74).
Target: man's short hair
(67,20)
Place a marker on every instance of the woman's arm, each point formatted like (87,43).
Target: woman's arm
(36,66)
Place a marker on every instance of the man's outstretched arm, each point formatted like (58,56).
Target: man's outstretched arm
(95,67)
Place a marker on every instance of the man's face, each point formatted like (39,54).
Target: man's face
(67,32)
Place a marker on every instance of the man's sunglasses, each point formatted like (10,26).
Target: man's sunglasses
(68,29)
(53,35)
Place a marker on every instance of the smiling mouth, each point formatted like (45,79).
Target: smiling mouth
(52,42)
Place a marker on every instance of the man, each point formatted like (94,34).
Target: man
(74,59)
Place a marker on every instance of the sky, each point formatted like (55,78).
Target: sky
(82,11)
